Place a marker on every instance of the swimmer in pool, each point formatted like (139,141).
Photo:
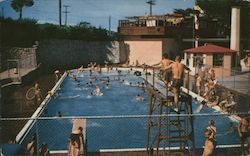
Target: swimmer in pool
(138,98)
(98,91)
(109,81)
(102,81)
(58,114)
(107,86)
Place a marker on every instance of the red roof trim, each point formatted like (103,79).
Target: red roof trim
(210,48)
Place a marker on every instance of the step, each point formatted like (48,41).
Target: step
(176,131)
(176,140)
(177,121)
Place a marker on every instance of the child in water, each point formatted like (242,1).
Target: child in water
(98,91)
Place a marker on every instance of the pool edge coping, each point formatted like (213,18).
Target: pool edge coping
(37,113)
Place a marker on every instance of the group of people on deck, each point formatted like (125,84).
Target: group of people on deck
(32,147)
(205,86)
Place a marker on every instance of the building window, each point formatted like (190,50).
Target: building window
(218,59)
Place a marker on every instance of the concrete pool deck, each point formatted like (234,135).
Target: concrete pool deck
(13,77)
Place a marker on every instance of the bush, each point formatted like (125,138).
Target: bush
(23,33)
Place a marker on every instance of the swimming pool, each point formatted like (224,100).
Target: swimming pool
(113,120)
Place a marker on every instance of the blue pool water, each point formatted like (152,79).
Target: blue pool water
(75,99)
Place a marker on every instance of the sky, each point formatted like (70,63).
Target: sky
(96,12)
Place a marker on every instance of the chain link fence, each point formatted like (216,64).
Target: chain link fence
(238,81)
(112,132)
(233,79)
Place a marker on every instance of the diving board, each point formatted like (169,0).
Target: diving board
(79,123)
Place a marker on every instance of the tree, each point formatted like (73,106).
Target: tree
(186,12)
(18,5)
(221,10)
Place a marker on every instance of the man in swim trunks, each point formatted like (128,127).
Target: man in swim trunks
(165,62)
(178,74)
(243,133)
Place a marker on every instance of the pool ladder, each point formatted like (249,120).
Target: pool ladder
(169,127)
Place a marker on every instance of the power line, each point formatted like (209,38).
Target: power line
(66,13)
(96,6)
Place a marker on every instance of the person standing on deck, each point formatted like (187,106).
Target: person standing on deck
(32,146)
(76,143)
(198,83)
(212,128)
(43,150)
(178,74)
(82,143)
(38,94)
(165,62)
(244,133)
(209,144)
(57,76)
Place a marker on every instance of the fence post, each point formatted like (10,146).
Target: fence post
(146,75)
(153,78)
(222,76)
(37,138)
(249,80)
(19,69)
(234,78)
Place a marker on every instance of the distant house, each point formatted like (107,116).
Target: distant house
(221,59)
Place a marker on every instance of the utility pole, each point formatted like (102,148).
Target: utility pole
(66,13)
(109,24)
(197,12)
(151,3)
(60,12)
(2,12)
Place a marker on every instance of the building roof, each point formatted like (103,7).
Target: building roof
(210,48)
